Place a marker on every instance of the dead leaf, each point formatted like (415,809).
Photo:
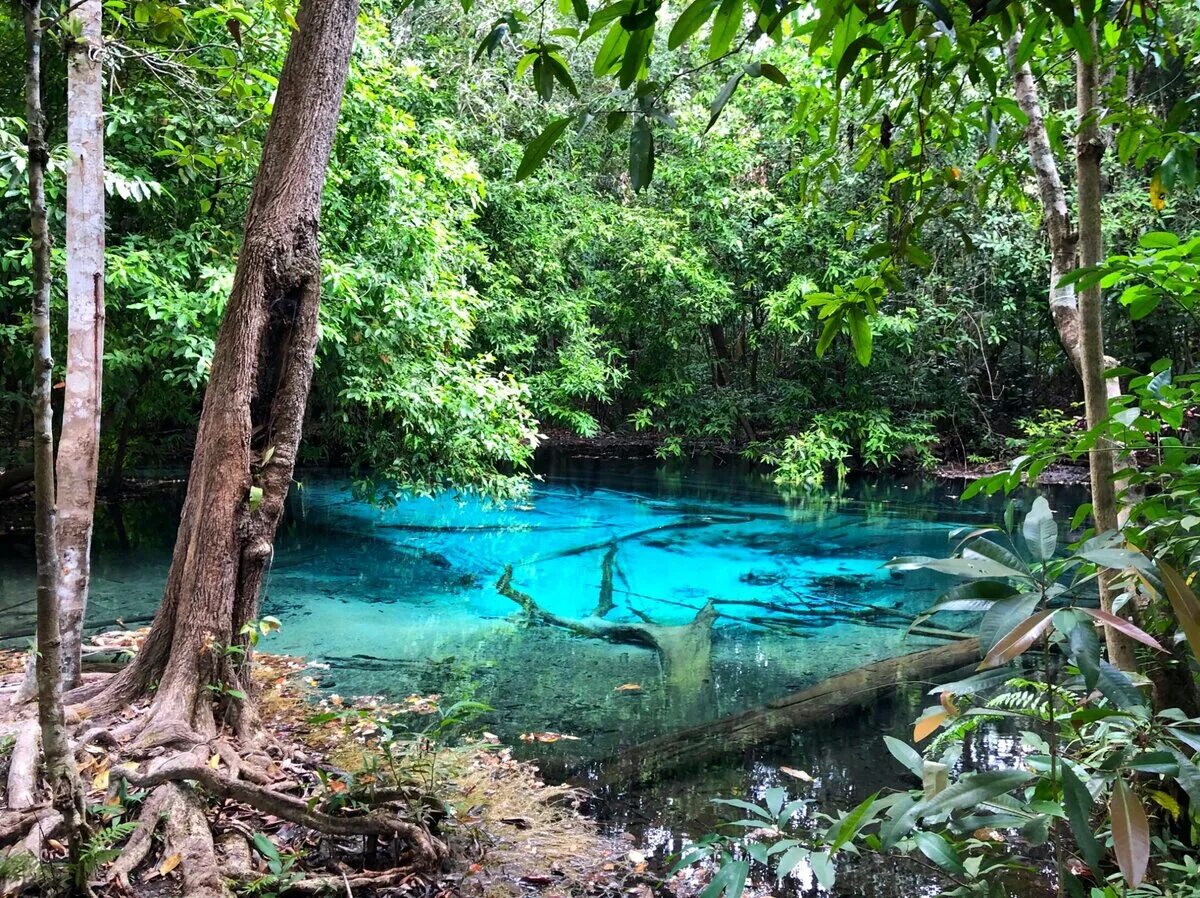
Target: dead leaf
(169,864)
(628,687)
(214,762)
(100,781)
(798,774)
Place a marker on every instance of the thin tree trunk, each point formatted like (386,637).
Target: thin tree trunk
(79,443)
(1089,150)
(59,764)
(253,408)
(1077,317)
(1064,306)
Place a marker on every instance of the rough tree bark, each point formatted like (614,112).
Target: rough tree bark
(79,441)
(1077,317)
(253,409)
(59,764)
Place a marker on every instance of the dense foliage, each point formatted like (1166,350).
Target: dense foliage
(467,311)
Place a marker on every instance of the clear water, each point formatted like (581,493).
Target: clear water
(404,600)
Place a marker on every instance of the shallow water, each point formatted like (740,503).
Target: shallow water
(404,600)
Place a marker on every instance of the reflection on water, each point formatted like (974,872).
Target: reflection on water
(404,600)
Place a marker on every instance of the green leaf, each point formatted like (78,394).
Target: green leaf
(637,50)
(540,146)
(860,335)
(771,73)
(730,880)
(1077,802)
(256,497)
(722,97)
(690,21)
(906,755)
(1130,833)
(1085,652)
(1003,616)
(1040,530)
(1116,686)
(850,55)
(266,847)
(641,154)
(941,852)
(970,791)
(726,25)
(849,826)
(610,51)
(1158,240)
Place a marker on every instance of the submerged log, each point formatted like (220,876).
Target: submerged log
(684,650)
(820,704)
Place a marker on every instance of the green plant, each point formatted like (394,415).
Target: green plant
(1096,755)
(280,873)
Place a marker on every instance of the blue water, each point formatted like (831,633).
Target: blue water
(404,600)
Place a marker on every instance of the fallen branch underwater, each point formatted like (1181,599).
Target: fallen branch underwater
(824,702)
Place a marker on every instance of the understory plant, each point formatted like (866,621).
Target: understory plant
(829,444)
(1107,781)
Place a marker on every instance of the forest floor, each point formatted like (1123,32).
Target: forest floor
(508,833)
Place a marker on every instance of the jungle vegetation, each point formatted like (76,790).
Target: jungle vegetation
(416,239)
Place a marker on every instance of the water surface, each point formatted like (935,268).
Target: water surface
(404,600)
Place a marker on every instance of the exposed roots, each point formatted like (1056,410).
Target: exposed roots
(189,837)
(429,851)
(142,840)
(24,857)
(23,766)
(351,885)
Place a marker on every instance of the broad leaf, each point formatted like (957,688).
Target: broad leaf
(1124,626)
(906,755)
(1085,652)
(941,852)
(1040,530)
(1077,802)
(1116,686)
(848,827)
(1130,832)
(1184,603)
(1018,639)
(541,145)
(1003,616)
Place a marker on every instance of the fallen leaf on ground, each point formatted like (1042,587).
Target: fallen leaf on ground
(628,687)
(169,864)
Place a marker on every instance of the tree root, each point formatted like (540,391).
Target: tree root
(23,766)
(188,836)
(45,824)
(139,844)
(325,885)
(429,850)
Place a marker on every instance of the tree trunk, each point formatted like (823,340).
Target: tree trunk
(1077,318)
(79,443)
(1089,150)
(253,408)
(1064,306)
(59,764)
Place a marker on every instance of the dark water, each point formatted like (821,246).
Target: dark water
(405,600)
